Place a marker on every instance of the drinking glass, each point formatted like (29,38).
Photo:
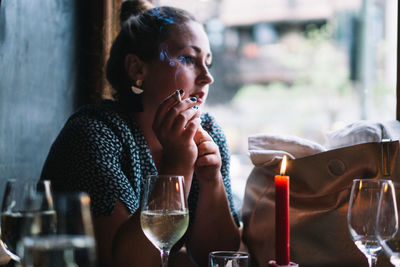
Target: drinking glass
(228,259)
(361,217)
(387,221)
(164,216)
(72,244)
(24,203)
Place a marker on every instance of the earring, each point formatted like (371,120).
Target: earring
(135,89)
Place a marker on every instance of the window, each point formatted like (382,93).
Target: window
(298,67)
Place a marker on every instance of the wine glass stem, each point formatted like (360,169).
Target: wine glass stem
(372,261)
(164,258)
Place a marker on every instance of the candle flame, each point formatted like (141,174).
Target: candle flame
(385,188)
(283,164)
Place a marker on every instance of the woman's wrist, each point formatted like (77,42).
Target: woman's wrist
(175,169)
(210,181)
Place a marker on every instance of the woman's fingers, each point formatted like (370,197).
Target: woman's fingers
(208,154)
(166,105)
(192,128)
(183,118)
(207,147)
(208,160)
(201,136)
(177,117)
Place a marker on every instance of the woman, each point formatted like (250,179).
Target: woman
(159,67)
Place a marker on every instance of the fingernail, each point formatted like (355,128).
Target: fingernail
(181,91)
(194,99)
(177,96)
(195,107)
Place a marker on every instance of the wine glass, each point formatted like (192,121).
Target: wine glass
(24,202)
(164,216)
(361,217)
(387,221)
(72,244)
(228,258)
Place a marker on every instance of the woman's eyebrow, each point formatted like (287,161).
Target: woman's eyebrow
(198,50)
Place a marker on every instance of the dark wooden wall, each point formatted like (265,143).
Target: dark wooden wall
(46,58)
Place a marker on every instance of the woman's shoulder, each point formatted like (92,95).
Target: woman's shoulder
(103,120)
(106,113)
(106,108)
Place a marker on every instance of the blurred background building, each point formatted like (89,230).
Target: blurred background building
(297,67)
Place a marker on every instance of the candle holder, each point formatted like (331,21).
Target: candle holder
(274,264)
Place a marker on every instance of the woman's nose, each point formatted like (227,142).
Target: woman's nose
(205,76)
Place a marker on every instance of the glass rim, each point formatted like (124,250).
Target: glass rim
(165,176)
(229,254)
(367,180)
(395,184)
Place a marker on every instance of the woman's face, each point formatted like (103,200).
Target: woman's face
(183,63)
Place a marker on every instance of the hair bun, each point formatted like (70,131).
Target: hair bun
(132,8)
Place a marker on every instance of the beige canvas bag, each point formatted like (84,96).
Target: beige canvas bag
(319,193)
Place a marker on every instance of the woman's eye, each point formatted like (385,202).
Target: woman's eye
(187,59)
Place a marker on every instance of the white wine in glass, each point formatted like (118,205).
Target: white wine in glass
(164,216)
(387,221)
(72,244)
(25,202)
(361,217)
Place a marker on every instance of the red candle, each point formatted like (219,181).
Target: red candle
(282,233)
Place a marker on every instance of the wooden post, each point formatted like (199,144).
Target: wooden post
(110,30)
(103,25)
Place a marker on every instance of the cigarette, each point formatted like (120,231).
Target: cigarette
(177,96)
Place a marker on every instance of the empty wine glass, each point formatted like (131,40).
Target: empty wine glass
(24,202)
(228,259)
(72,244)
(361,217)
(387,221)
(164,216)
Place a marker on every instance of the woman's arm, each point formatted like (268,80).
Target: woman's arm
(105,229)
(214,227)
(121,242)
(127,242)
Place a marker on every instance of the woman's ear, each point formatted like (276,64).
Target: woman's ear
(135,67)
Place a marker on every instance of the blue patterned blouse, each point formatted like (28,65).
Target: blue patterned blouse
(103,152)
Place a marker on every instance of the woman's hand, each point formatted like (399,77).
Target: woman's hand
(208,163)
(175,125)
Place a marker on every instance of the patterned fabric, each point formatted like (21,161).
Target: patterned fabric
(102,151)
